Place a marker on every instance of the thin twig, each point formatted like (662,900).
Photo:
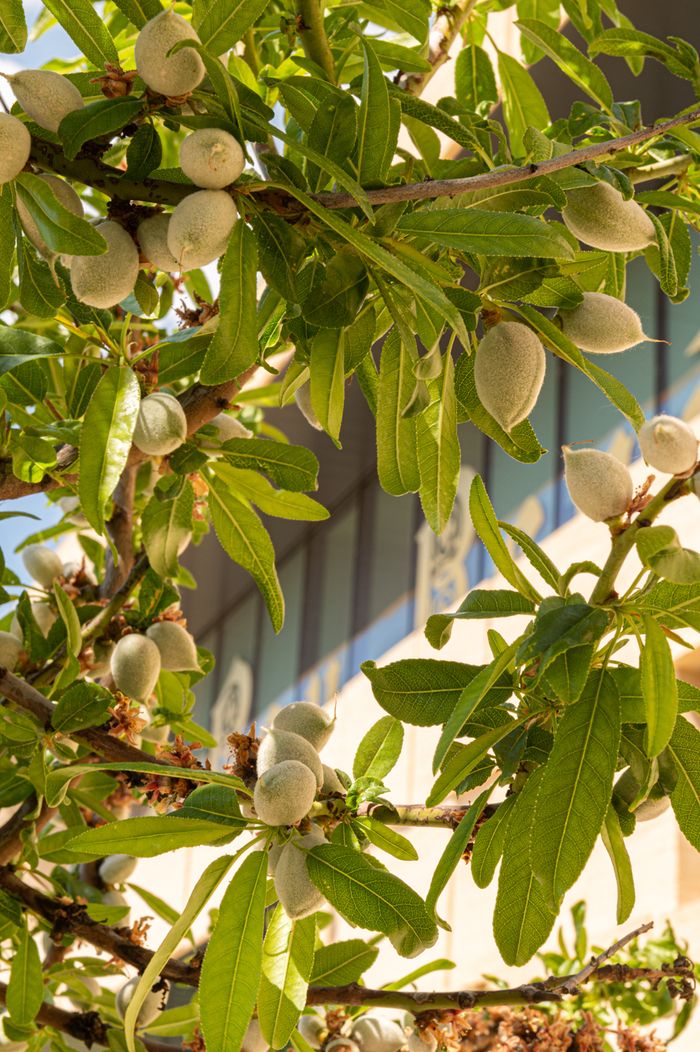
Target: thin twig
(443,33)
(571,983)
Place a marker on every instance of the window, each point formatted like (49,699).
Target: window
(278,660)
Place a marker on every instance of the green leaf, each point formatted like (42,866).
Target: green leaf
(249,485)
(342,962)
(144,153)
(148,837)
(287,960)
(674,605)
(559,627)
(244,538)
(334,302)
(456,846)
(38,292)
(523,104)
(576,66)
(139,11)
(86,28)
(489,843)
(379,749)
(409,15)
(632,42)
(99,118)
(228,985)
(387,839)
(25,990)
(660,550)
(291,467)
(423,691)
(486,526)
(684,750)
(462,759)
(566,676)
(224,22)
(614,842)
(69,616)
(82,705)
(472,696)
(378,124)
(535,555)
(661,259)
(479,604)
(167,523)
(201,893)
(487,233)
(281,250)
(475,81)
(522,919)
(61,229)
(332,134)
(397,459)
(328,380)
(215,803)
(415,280)
(7,241)
(576,786)
(658,681)
(439,454)
(235,343)
(13,27)
(105,440)
(372,898)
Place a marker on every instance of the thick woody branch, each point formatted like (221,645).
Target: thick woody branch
(82,1025)
(445,817)
(21,819)
(101,742)
(201,404)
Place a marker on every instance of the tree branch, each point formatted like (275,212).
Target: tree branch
(623,542)
(446,817)
(506,176)
(443,34)
(11,831)
(201,404)
(71,917)
(313,36)
(82,1025)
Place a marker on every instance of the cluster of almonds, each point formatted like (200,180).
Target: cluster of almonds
(45,567)
(601,486)
(290,775)
(197,231)
(510,360)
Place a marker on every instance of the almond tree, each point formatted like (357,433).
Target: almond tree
(271,141)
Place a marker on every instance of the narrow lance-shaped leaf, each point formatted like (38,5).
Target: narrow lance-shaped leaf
(99,118)
(489,843)
(61,230)
(522,919)
(13,27)
(235,344)
(328,380)
(228,984)
(243,537)
(486,525)
(576,786)
(224,22)
(378,126)
(397,460)
(7,244)
(659,690)
(167,525)
(614,842)
(576,66)
(456,846)
(106,440)
(201,893)
(462,759)
(287,960)
(684,749)
(439,454)
(25,990)
(86,29)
